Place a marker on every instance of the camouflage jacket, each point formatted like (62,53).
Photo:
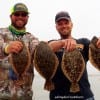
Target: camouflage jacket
(8,86)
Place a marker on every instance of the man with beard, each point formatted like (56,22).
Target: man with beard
(62,84)
(10,89)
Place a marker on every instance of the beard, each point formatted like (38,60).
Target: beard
(65,35)
(19,24)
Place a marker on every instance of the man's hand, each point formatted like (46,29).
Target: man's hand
(98,43)
(14,47)
(70,44)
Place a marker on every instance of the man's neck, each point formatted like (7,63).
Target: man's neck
(16,31)
(66,37)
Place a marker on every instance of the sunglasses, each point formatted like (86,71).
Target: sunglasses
(20,14)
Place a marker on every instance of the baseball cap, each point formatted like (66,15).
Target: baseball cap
(62,15)
(19,7)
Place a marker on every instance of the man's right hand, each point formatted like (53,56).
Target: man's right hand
(13,47)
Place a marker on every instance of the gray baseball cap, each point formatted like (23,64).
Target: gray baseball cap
(62,15)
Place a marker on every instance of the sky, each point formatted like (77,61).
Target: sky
(84,14)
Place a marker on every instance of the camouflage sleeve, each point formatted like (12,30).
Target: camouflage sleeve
(2,47)
(33,43)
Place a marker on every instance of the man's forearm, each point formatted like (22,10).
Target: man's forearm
(56,45)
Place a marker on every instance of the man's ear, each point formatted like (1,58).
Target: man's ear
(71,24)
(10,15)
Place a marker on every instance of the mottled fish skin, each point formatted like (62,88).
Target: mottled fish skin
(94,53)
(46,63)
(20,61)
(73,66)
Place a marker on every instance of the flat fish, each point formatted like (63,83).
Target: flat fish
(46,63)
(73,66)
(20,62)
(94,53)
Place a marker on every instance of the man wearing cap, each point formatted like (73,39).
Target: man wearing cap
(9,89)
(64,27)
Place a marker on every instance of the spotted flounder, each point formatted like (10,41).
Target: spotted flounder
(46,63)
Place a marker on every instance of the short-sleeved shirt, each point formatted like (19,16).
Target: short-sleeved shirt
(62,84)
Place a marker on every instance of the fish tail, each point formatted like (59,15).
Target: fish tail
(74,87)
(48,85)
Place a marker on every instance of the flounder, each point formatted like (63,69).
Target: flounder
(46,63)
(73,66)
(94,53)
(20,62)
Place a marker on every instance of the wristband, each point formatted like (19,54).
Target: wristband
(6,49)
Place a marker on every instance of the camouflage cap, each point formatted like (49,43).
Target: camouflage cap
(19,7)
